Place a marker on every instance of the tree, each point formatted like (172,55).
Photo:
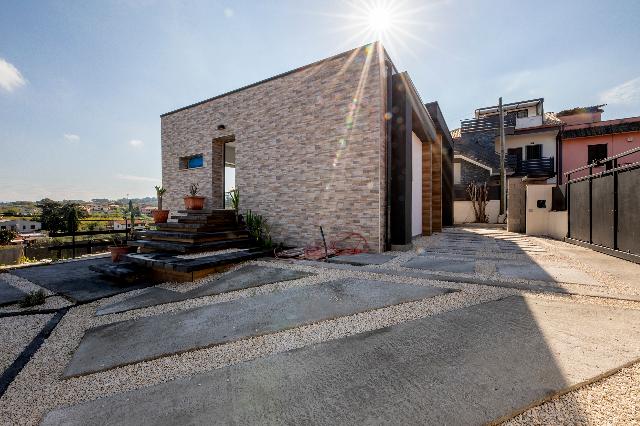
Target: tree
(58,217)
(6,235)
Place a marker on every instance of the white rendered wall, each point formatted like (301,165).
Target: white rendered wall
(541,221)
(416,185)
(463,211)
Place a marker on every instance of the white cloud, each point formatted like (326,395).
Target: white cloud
(10,77)
(136,143)
(137,178)
(228,12)
(70,137)
(627,93)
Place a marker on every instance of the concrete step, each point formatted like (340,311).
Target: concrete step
(128,272)
(177,247)
(168,262)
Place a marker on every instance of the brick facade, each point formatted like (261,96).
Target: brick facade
(310,149)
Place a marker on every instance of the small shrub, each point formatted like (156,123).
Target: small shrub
(34,298)
(259,229)
(6,235)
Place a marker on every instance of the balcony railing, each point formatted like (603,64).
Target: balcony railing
(540,167)
(488,123)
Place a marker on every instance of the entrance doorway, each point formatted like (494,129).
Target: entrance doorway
(229,171)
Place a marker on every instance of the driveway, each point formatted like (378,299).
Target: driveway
(473,326)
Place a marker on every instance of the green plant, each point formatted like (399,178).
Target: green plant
(160,191)
(193,189)
(259,229)
(24,259)
(33,298)
(117,239)
(234,195)
(6,235)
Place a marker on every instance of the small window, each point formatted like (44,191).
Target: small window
(191,162)
(33,227)
(3,227)
(523,113)
(597,153)
(457,173)
(534,152)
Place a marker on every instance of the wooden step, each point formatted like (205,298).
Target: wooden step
(194,227)
(205,220)
(171,263)
(193,237)
(176,247)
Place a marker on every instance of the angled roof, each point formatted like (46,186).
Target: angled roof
(621,125)
(478,146)
(438,118)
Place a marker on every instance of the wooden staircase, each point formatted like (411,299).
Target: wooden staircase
(194,231)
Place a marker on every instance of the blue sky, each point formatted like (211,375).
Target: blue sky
(82,84)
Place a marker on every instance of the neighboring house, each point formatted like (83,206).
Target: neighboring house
(588,140)
(474,162)
(20,225)
(531,137)
(345,143)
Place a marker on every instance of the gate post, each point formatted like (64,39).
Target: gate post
(590,205)
(615,204)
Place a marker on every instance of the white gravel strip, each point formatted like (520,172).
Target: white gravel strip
(52,302)
(23,284)
(614,400)
(16,333)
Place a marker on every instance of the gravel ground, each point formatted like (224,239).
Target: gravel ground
(37,389)
(614,400)
(22,284)
(16,333)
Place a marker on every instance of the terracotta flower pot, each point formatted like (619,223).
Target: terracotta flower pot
(160,216)
(118,251)
(194,203)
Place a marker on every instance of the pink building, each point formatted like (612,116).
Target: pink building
(586,139)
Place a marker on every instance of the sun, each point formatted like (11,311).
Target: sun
(380,19)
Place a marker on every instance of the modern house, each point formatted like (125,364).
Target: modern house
(345,143)
(586,139)
(474,162)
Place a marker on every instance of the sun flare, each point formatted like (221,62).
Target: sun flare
(380,19)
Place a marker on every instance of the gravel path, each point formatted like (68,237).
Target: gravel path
(37,389)
(16,333)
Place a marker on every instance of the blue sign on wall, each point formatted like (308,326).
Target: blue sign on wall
(195,161)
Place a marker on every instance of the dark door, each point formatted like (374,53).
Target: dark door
(534,152)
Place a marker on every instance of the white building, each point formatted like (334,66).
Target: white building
(22,226)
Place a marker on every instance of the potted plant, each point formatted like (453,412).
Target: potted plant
(119,248)
(193,201)
(234,196)
(160,215)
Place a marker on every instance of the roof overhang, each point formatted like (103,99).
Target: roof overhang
(510,107)
(423,125)
(472,161)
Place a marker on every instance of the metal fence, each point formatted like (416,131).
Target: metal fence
(604,207)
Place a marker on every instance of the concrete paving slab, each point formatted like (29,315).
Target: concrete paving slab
(444,265)
(362,259)
(74,280)
(132,341)
(9,294)
(467,366)
(150,297)
(549,273)
(246,277)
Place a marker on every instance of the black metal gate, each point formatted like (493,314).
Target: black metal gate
(604,207)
